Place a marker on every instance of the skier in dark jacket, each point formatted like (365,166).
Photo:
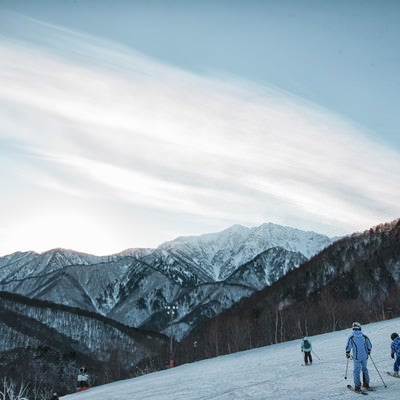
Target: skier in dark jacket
(395,352)
(360,346)
(306,348)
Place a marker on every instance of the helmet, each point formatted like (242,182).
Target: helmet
(394,335)
(356,326)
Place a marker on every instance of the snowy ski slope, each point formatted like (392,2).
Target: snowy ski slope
(272,372)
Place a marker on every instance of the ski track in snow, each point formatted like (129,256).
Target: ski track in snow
(271,372)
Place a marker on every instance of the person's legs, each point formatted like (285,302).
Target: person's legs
(396,364)
(365,373)
(356,374)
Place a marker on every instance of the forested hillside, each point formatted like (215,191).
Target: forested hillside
(355,277)
(46,343)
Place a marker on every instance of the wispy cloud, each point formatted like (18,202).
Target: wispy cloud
(98,122)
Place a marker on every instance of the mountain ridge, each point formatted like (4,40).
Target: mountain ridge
(136,285)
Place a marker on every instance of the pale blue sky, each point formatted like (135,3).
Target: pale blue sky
(128,123)
(341,54)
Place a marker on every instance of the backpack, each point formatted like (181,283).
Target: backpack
(306,344)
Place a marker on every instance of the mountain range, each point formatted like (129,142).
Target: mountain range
(201,275)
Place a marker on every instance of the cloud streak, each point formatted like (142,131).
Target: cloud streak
(101,123)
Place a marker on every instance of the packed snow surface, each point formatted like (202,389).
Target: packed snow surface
(272,372)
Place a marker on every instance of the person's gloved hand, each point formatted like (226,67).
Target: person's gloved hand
(392,355)
(347,355)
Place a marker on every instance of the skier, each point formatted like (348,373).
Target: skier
(395,352)
(83,379)
(360,346)
(306,348)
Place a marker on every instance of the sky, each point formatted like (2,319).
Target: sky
(267,373)
(125,124)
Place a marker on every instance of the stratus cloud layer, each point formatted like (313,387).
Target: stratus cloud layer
(91,130)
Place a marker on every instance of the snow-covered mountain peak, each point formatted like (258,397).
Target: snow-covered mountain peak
(235,229)
(221,253)
(306,242)
(134,252)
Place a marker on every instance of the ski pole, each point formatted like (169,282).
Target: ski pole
(347,368)
(315,354)
(384,384)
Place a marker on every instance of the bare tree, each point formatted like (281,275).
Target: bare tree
(11,391)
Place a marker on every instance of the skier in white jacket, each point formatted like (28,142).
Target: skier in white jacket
(83,379)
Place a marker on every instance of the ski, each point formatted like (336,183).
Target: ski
(352,389)
(392,374)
